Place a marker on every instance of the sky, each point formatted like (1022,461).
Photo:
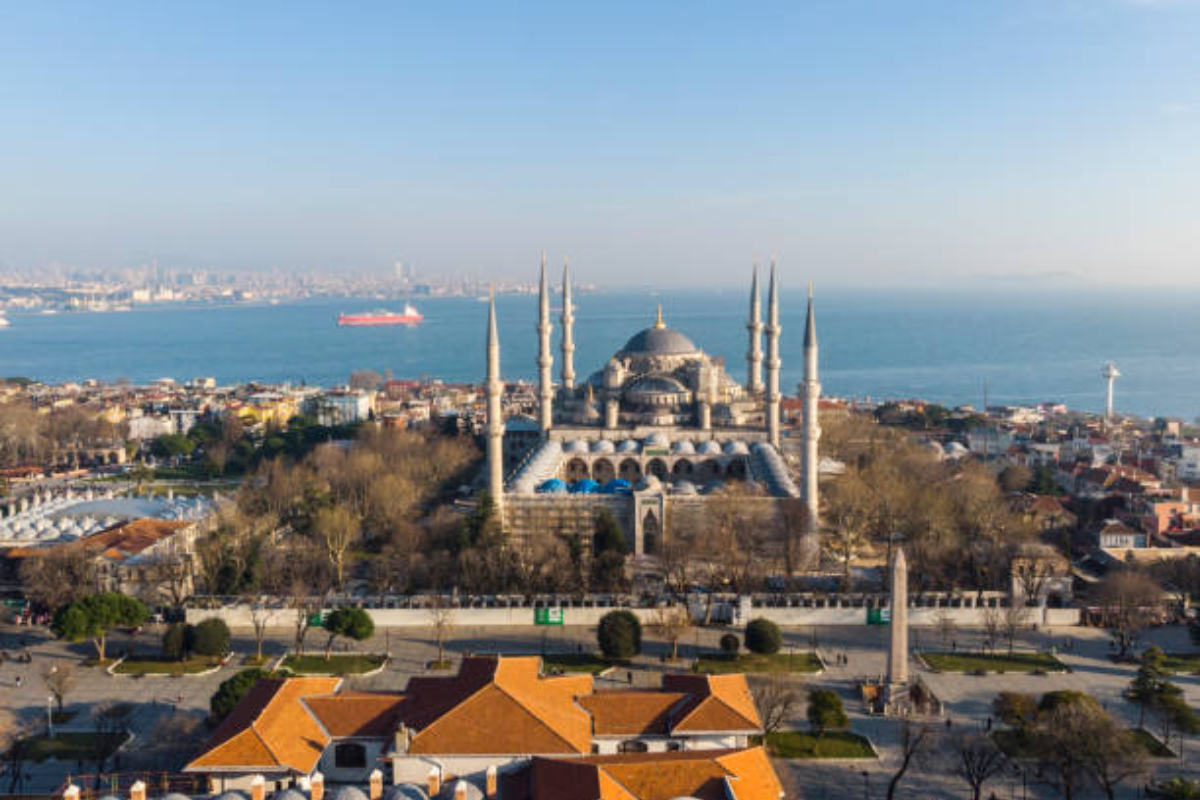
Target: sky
(1029,142)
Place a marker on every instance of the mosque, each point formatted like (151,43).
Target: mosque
(654,432)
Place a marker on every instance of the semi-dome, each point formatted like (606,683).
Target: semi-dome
(553,486)
(658,342)
(349,793)
(603,446)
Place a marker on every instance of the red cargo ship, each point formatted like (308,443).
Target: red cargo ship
(410,317)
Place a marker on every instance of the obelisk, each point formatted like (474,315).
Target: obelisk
(897,674)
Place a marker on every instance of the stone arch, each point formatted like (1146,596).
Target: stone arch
(651,533)
(657,467)
(630,470)
(577,470)
(683,469)
(707,471)
(736,469)
(603,470)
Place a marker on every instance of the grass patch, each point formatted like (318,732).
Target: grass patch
(255,661)
(834,744)
(73,746)
(576,662)
(158,666)
(992,662)
(753,662)
(338,664)
(1017,745)
(438,666)
(1182,663)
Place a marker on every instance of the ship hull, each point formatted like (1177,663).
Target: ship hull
(379,322)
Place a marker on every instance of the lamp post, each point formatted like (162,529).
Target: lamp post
(866,785)
(50,715)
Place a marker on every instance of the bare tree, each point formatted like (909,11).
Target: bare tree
(1013,619)
(173,739)
(673,622)
(15,744)
(58,576)
(915,741)
(1129,601)
(777,701)
(301,576)
(992,623)
(944,621)
(850,513)
(338,528)
(977,760)
(441,619)
(260,616)
(1114,756)
(60,681)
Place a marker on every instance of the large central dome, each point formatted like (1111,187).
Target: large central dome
(658,342)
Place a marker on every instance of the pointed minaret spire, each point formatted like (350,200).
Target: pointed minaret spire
(773,362)
(545,360)
(568,334)
(810,391)
(495,413)
(754,327)
(658,322)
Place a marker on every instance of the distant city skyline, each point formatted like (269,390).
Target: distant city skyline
(919,143)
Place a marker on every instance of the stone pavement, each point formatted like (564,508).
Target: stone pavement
(968,698)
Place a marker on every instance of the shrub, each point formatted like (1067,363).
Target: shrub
(825,712)
(620,635)
(210,638)
(730,644)
(231,692)
(763,637)
(175,642)
(351,622)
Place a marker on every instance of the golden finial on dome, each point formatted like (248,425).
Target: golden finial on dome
(658,323)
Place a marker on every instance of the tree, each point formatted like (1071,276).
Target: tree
(57,576)
(1063,736)
(825,711)
(260,615)
(1178,788)
(1015,709)
(109,723)
(619,635)
(351,622)
(914,741)
(1114,756)
(730,644)
(1150,682)
(672,622)
(210,637)
(441,617)
(94,616)
(946,626)
(338,528)
(608,536)
(1129,601)
(15,744)
(763,637)
(1013,618)
(300,575)
(976,760)
(1015,478)
(172,445)
(175,642)
(60,681)
(232,690)
(776,699)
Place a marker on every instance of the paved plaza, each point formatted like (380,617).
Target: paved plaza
(967,698)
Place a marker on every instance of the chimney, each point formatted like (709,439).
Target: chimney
(137,791)
(71,792)
(490,785)
(403,737)
(460,790)
(316,785)
(258,788)
(376,790)
(434,782)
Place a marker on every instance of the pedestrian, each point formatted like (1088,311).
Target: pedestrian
(949,722)
(989,723)
(629,677)
(19,680)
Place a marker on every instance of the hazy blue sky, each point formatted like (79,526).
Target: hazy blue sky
(867,141)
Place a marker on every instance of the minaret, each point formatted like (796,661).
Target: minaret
(897,664)
(545,361)
(495,414)
(568,334)
(754,356)
(811,391)
(1110,374)
(773,330)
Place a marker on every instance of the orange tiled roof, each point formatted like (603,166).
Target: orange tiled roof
(702,774)
(627,713)
(498,706)
(270,730)
(366,714)
(116,543)
(721,703)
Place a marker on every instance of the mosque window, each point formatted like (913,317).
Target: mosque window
(350,755)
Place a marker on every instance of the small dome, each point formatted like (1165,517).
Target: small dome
(710,448)
(628,446)
(576,446)
(655,384)
(684,487)
(230,795)
(585,486)
(736,449)
(349,793)
(407,791)
(603,446)
(658,342)
(657,439)
(178,796)
(649,482)
(289,794)
(616,486)
(684,448)
(553,486)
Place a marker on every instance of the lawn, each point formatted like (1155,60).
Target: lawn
(992,662)
(576,662)
(158,666)
(1183,663)
(72,746)
(337,664)
(753,662)
(1011,742)
(834,744)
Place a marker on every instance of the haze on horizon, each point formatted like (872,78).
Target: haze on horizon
(871,143)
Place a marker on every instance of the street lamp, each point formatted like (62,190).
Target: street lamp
(866,785)
(50,714)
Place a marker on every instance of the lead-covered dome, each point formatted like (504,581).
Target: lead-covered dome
(658,342)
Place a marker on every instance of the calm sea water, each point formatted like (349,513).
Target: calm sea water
(939,346)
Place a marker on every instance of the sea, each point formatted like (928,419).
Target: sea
(942,346)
